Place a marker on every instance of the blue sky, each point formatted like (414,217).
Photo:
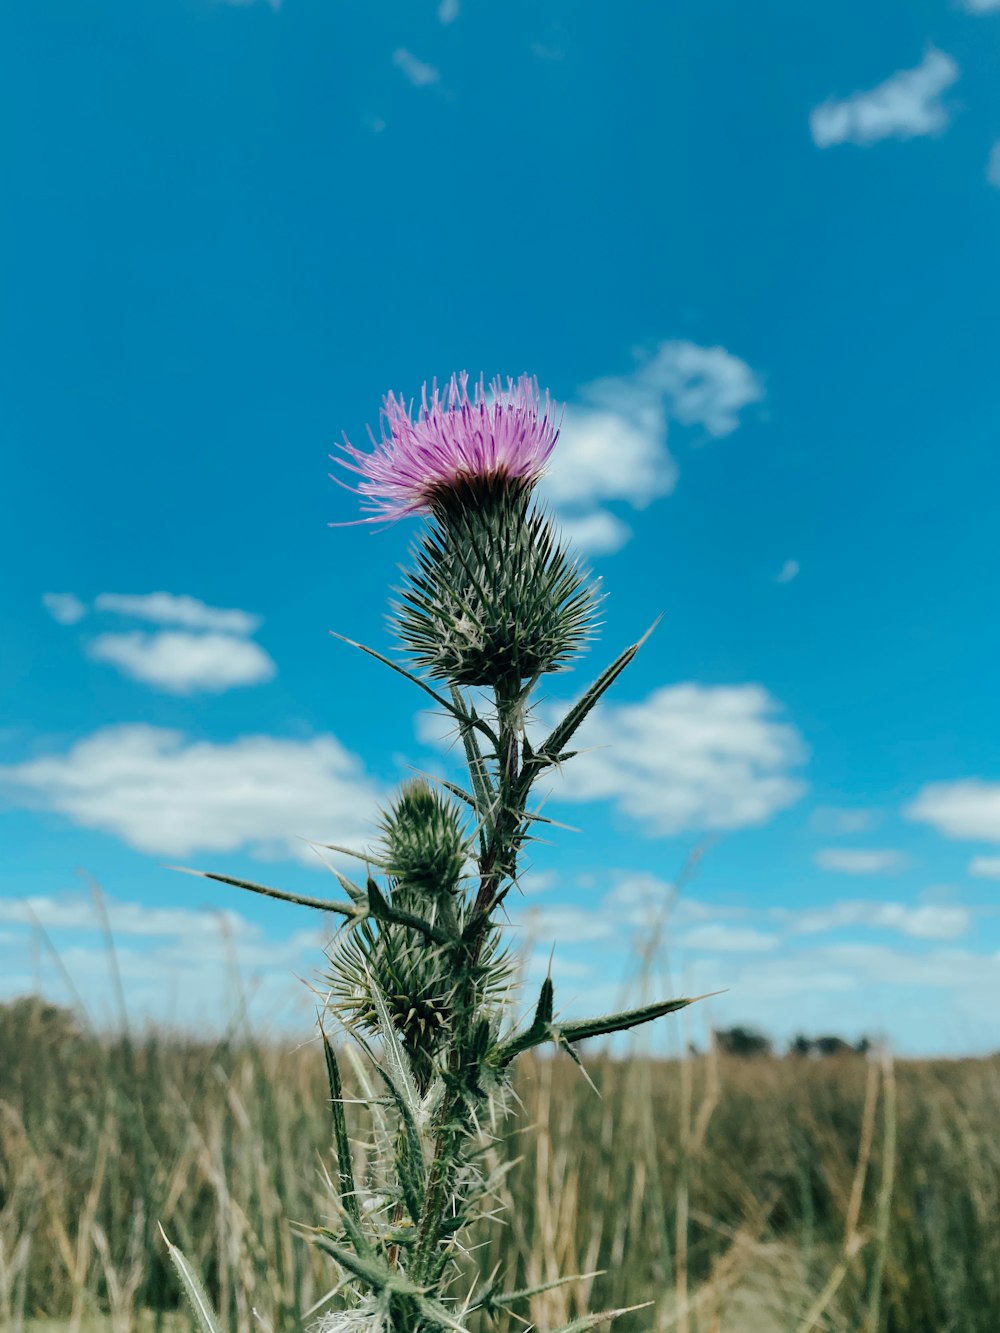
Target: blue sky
(755,250)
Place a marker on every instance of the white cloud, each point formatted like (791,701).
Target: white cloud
(75,913)
(563,922)
(417,72)
(965,809)
(184,663)
(689,757)
(905,105)
(993,166)
(703,386)
(639,900)
(985,867)
(245,4)
(981,6)
(861,861)
(788,571)
(167,608)
(941,1000)
(64,607)
(599,532)
(611,453)
(929,921)
(166,795)
(613,444)
(447,11)
(727,939)
(175,964)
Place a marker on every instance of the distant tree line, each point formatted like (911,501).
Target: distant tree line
(748,1042)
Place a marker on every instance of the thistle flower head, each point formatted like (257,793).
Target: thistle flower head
(500,437)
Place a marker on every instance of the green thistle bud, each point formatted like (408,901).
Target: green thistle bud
(424,841)
(495,595)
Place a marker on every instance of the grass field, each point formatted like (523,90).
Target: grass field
(738,1195)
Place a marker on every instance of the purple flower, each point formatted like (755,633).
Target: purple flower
(503,435)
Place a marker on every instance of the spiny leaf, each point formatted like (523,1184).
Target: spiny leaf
(489,1301)
(546,1000)
(592,1320)
(366,857)
(551,749)
(478,723)
(485,796)
(320,904)
(542,1029)
(383,1139)
(208,1320)
(630,1018)
(399,1070)
(374,1272)
(437,1316)
(345,1166)
(382,910)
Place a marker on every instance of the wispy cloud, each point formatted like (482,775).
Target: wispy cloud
(164,794)
(967,809)
(613,446)
(985,867)
(173,964)
(837,821)
(552,51)
(981,6)
(926,921)
(77,913)
(416,71)
(993,166)
(565,923)
(246,4)
(689,757)
(447,11)
(64,607)
(904,106)
(686,758)
(861,861)
(788,571)
(207,650)
(719,938)
(167,608)
(183,663)
(600,532)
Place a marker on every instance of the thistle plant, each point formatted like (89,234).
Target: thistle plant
(419,977)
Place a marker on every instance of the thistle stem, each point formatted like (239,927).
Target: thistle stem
(498,861)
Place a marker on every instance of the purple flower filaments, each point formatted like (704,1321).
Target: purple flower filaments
(500,435)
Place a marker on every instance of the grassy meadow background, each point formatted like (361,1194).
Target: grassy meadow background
(747,1194)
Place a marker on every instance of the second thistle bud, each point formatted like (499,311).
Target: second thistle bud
(424,842)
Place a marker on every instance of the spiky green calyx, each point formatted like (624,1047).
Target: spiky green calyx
(495,596)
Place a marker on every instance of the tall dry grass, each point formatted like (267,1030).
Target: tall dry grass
(750,1195)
